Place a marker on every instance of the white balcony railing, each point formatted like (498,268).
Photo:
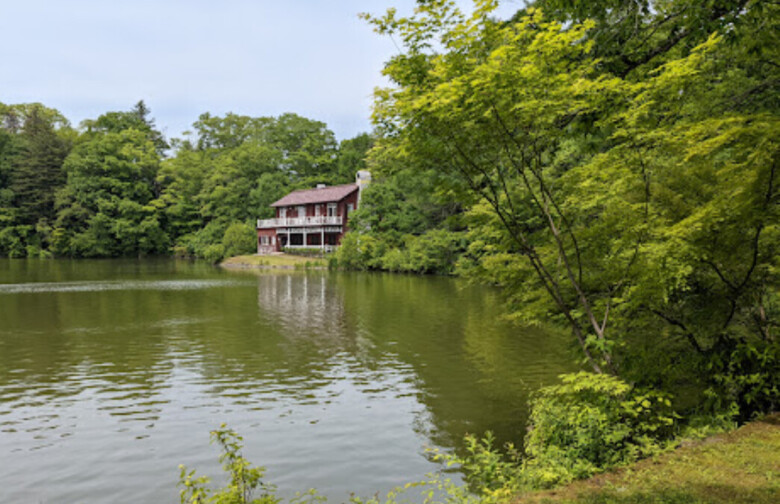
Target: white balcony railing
(320,220)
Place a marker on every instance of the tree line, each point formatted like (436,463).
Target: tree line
(116,187)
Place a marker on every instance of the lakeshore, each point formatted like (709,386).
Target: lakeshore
(274,261)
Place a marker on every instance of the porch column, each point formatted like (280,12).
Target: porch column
(304,238)
(322,238)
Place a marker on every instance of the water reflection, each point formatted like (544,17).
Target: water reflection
(337,381)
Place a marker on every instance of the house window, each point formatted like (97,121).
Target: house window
(283,213)
(263,240)
(350,207)
(331,209)
(301,211)
(317,210)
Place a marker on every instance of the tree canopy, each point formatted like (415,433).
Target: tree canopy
(619,161)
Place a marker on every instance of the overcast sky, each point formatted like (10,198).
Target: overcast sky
(185,57)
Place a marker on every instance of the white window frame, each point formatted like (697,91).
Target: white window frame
(283,212)
(332,209)
(301,211)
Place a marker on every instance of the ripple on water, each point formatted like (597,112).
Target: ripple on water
(335,381)
(119,285)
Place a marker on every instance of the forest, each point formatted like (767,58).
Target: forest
(611,165)
(115,186)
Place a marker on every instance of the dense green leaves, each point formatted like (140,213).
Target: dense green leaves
(104,209)
(620,163)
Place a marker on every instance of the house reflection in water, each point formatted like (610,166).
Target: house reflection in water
(303,306)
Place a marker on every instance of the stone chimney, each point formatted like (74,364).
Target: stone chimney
(362,179)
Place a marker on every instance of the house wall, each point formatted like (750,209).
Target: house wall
(274,245)
(342,210)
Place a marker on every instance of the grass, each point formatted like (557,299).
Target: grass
(742,466)
(276,261)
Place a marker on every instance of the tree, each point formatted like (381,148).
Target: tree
(634,207)
(352,156)
(137,118)
(37,169)
(104,209)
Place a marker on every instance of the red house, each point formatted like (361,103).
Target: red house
(311,218)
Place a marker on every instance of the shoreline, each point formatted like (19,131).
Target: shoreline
(274,262)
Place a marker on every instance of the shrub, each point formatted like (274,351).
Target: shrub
(359,252)
(746,378)
(214,253)
(239,239)
(592,422)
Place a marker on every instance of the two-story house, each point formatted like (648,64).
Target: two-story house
(311,218)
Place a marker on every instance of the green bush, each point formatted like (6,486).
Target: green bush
(592,422)
(239,239)
(214,253)
(14,241)
(746,378)
(436,251)
(359,252)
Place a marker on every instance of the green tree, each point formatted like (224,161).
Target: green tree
(37,172)
(352,155)
(104,209)
(239,239)
(638,208)
(138,118)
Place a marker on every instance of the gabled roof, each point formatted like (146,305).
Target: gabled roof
(323,195)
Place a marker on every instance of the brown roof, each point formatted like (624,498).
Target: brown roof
(324,195)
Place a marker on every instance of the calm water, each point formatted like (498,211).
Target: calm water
(113,372)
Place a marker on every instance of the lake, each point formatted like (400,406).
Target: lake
(113,372)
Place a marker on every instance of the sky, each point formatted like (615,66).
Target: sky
(185,57)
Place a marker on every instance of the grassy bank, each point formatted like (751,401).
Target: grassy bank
(276,261)
(742,466)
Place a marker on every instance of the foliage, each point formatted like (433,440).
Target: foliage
(746,379)
(352,155)
(105,207)
(244,478)
(37,170)
(109,190)
(592,422)
(738,466)
(435,252)
(619,180)
(587,424)
(213,253)
(239,239)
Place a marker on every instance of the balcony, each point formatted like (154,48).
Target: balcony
(320,220)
